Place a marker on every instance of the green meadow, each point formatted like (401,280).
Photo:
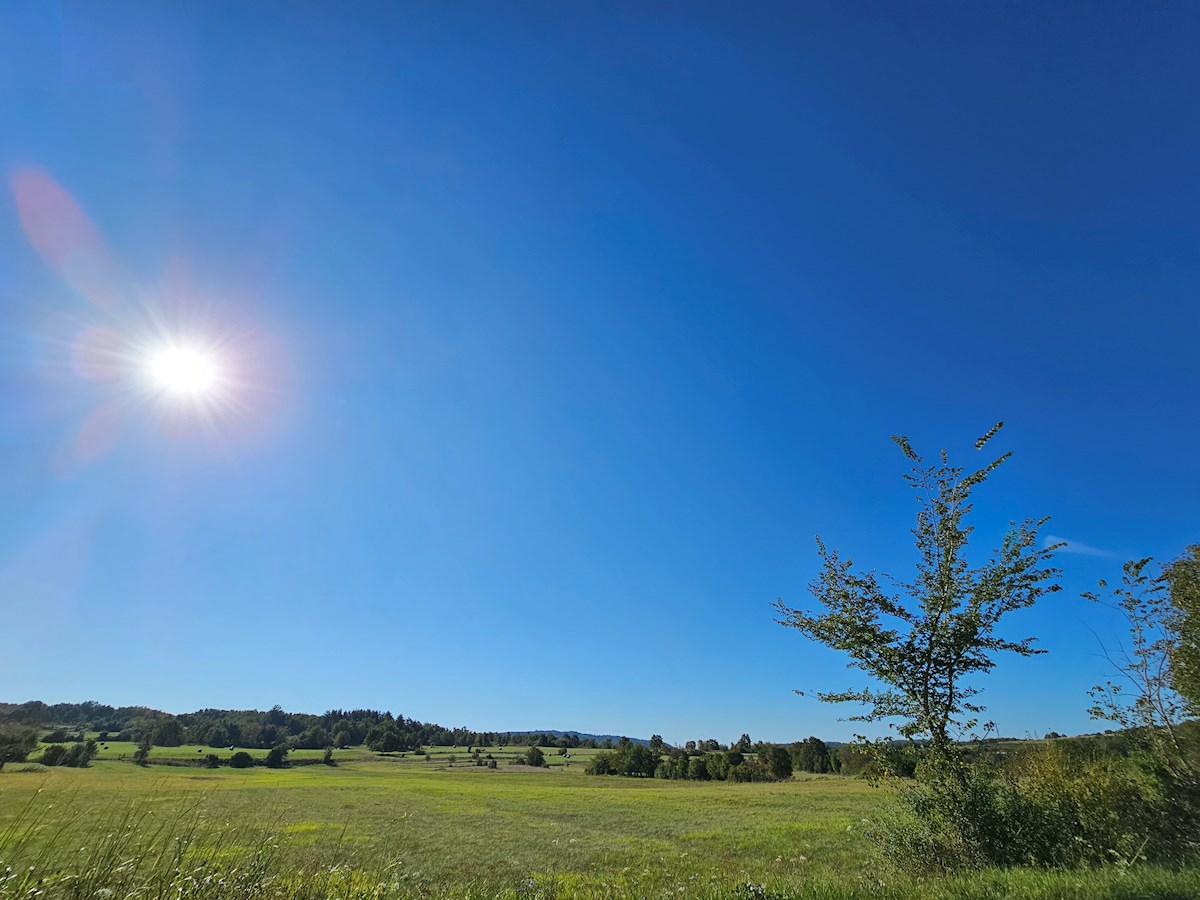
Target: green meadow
(391,826)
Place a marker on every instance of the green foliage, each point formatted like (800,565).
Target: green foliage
(749,769)
(327,757)
(77,756)
(601,764)
(53,755)
(241,760)
(811,755)
(778,762)
(535,757)
(385,738)
(1143,695)
(1183,583)
(212,761)
(165,731)
(629,759)
(926,643)
(16,743)
(277,757)
(1056,810)
(315,737)
(1148,700)
(141,755)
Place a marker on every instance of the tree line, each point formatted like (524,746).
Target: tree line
(708,760)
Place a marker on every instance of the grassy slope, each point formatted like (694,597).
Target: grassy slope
(429,830)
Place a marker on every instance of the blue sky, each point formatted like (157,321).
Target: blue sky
(563,330)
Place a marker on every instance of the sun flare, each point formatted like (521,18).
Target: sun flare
(184,371)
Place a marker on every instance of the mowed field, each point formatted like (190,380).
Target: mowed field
(428,829)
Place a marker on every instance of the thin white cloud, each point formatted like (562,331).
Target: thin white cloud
(1073,546)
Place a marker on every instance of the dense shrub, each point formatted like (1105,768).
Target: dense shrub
(76,756)
(601,764)
(749,770)
(16,743)
(211,761)
(241,760)
(52,755)
(277,756)
(1053,809)
(535,757)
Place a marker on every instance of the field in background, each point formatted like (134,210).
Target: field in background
(117,751)
(421,828)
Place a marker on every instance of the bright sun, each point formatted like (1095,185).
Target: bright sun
(183,371)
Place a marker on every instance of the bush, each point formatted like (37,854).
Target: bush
(535,757)
(16,743)
(76,756)
(211,761)
(277,756)
(601,764)
(327,757)
(241,760)
(1054,809)
(749,770)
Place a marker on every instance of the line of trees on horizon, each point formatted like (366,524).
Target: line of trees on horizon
(24,725)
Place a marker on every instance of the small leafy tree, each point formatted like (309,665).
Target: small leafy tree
(1144,695)
(277,756)
(1149,700)
(924,640)
(141,755)
(16,743)
(535,757)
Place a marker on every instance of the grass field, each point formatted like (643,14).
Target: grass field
(413,828)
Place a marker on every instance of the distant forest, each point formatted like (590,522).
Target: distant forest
(378,730)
